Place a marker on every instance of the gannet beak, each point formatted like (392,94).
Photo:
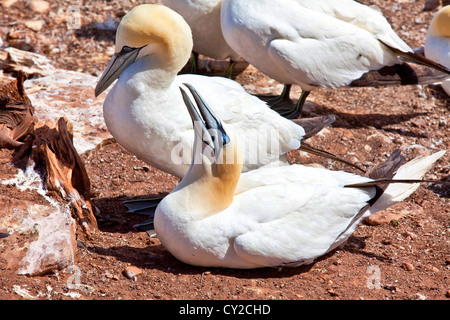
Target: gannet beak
(119,62)
(212,133)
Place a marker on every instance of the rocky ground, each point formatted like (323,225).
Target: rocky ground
(405,257)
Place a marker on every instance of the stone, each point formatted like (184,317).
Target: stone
(409,234)
(41,231)
(407,266)
(131,272)
(419,296)
(8,3)
(419,123)
(54,249)
(35,25)
(40,6)
(394,213)
(33,64)
(332,293)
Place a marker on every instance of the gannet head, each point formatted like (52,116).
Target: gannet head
(149,29)
(440,24)
(219,157)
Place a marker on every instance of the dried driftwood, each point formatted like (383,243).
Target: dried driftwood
(16,113)
(47,149)
(50,147)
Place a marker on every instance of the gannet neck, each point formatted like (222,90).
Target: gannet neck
(210,184)
(440,24)
(163,33)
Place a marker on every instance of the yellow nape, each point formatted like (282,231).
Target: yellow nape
(441,22)
(155,24)
(219,185)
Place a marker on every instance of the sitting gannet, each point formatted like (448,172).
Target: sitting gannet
(144,110)
(437,42)
(313,43)
(203,16)
(268,217)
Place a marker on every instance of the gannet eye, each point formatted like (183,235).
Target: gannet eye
(225,138)
(126,49)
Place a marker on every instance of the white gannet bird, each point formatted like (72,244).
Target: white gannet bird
(268,217)
(313,43)
(437,42)
(144,110)
(203,16)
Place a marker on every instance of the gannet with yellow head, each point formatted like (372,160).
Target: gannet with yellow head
(144,110)
(145,113)
(271,216)
(314,43)
(437,42)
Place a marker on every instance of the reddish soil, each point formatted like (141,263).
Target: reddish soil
(410,257)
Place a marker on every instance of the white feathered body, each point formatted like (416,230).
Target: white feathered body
(310,43)
(147,116)
(280,216)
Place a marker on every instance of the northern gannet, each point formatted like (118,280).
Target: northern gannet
(313,43)
(268,217)
(437,41)
(144,110)
(203,16)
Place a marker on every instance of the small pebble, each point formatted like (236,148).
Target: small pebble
(332,293)
(408,266)
(131,272)
(419,296)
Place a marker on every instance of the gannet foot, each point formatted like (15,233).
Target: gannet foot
(286,109)
(143,207)
(147,226)
(229,73)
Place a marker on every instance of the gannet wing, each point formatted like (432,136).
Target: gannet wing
(342,51)
(297,231)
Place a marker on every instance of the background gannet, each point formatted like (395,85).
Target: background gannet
(437,42)
(144,110)
(313,43)
(272,216)
(203,16)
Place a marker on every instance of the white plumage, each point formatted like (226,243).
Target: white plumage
(271,216)
(312,43)
(144,110)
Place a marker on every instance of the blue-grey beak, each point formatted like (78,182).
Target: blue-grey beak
(212,133)
(119,62)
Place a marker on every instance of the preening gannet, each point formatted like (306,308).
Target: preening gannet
(145,113)
(203,16)
(268,217)
(313,43)
(437,42)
